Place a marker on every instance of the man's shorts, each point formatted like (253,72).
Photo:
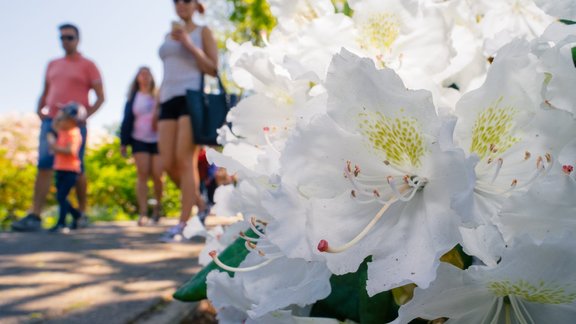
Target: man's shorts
(45,159)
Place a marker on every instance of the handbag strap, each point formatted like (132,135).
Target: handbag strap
(220,84)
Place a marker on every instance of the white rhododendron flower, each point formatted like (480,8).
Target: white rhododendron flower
(402,36)
(390,133)
(484,242)
(218,239)
(296,14)
(502,21)
(563,9)
(467,68)
(548,209)
(558,64)
(380,180)
(269,286)
(267,117)
(315,45)
(498,124)
(531,284)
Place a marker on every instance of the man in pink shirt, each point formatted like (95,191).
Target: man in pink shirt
(68,79)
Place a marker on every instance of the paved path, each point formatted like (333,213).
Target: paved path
(108,273)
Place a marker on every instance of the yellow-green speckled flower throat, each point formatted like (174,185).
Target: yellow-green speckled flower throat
(492,131)
(379,31)
(398,138)
(539,293)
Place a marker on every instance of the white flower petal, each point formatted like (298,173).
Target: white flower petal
(530,282)
(355,87)
(558,62)
(548,209)
(564,9)
(449,296)
(284,282)
(484,242)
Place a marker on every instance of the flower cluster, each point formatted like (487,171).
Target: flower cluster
(19,137)
(390,136)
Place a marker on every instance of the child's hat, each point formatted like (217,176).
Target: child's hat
(74,110)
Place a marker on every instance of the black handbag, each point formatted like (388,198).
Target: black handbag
(208,112)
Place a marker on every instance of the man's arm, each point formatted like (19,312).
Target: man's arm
(99,90)
(67,149)
(42,101)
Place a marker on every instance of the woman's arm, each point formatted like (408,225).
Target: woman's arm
(127,123)
(208,58)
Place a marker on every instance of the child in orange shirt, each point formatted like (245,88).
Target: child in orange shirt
(66,146)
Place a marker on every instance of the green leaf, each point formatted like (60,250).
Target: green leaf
(567,22)
(379,308)
(195,288)
(347,10)
(349,300)
(343,301)
(574,55)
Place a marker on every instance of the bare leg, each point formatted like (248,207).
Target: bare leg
(185,153)
(41,189)
(81,192)
(167,130)
(143,170)
(199,201)
(158,182)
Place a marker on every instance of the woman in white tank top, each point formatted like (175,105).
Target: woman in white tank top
(188,52)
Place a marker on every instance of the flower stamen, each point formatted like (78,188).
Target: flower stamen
(323,245)
(356,170)
(248,238)
(498,168)
(518,311)
(214,256)
(267,139)
(254,227)
(249,245)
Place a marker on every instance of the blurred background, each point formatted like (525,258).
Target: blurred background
(119,36)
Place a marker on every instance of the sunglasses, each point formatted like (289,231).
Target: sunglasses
(185,1)
(67,38)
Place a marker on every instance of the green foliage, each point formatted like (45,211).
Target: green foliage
(342,6)
(252,18)
(349,300)
(112,182)
(111,188)
(344,299)
(16,183)
(379,308)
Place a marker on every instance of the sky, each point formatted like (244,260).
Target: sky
(118,35)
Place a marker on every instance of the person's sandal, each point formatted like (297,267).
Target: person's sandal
(142,220)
